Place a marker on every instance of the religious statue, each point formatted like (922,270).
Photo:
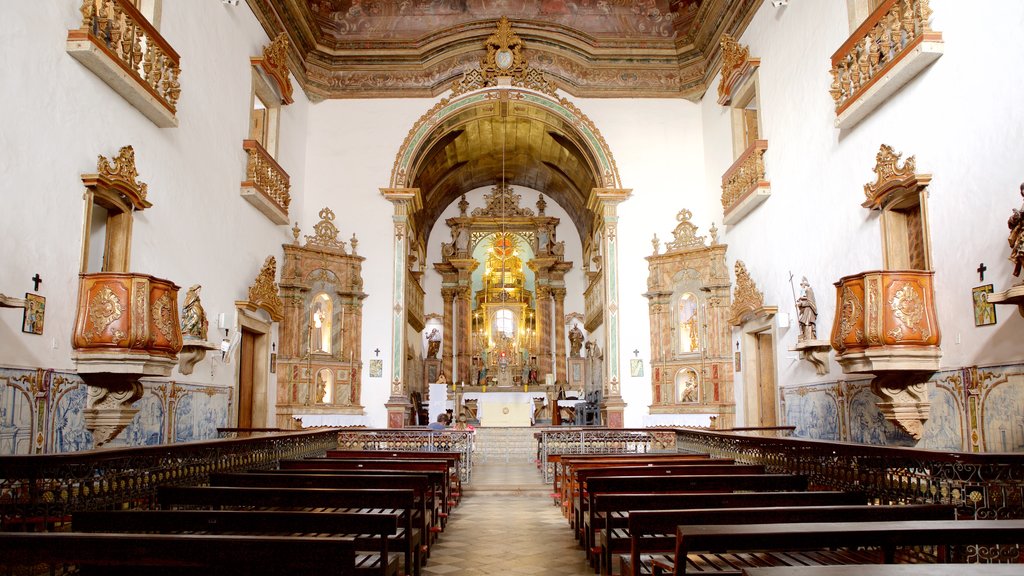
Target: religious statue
(193,317)
(481,376)
(317,330)
(575,341)
(532,378)
(689,392)
(462,240)
(595,359)
(807,311)
(433,343)
(1016,239)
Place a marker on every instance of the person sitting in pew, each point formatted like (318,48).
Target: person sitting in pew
(440,424)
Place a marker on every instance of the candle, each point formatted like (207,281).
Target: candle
(342,317)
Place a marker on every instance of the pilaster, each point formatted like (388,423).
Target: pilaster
(560,371)
(448,296)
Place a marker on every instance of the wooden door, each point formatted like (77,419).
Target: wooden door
(766,379)
(246,370)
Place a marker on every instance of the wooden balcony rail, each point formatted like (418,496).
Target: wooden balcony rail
(265,177)
(745,177)
(890,33)
(123,34)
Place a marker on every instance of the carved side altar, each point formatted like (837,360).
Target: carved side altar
(689,302)
(319,368)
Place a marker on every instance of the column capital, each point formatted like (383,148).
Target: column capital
(448,294)
(406,200)
(558,292)
(603,199)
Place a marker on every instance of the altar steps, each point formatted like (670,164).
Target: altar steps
(504,445)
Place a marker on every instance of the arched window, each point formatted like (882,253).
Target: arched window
(504,323)
(689,331)
(320,314)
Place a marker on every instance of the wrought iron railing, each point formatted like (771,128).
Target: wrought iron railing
(40,491)
(745,175)
(893,30)
(415,439)
(981,486)
(266,176)
(125,34)
(600,441)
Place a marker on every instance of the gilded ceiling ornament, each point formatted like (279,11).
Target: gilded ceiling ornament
(502,202)
(263,292)
(504,53)
(684,236)
(121,172)
(325,233)
(275,63)
(888,171)
(733,56)
(746,297)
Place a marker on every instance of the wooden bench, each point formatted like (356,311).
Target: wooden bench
(708,483)
(890,570)
(730,548)
(180,554)
(652,532)
(313,499)
(370,531)
(618,508)
(564,463)
(454,460)
(419,484)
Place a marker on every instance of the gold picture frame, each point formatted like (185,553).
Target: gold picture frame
(35,314)
(984,311)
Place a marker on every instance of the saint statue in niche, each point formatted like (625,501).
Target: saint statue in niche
(320,325)
(575,341)
(807,309)
(689,390)
(1016,239)
(433,343)
(193,317)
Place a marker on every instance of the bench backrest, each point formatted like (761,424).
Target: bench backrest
(708,483)
(217,496)
(245,522)
(637,501)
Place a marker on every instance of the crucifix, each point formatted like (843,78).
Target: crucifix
(376,351)
(636,352)
(36,280)
(981,271)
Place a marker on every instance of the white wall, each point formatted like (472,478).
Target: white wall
(958,118)
(57,116)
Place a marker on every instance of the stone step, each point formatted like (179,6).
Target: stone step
(510,445)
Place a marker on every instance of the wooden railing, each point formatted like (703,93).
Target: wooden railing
(127,37)
(46,488)
(744,176)
(560,440)
(421,439)
(981,486)
(889,33)
(266,176)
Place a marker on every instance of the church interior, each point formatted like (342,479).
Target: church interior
(709,213)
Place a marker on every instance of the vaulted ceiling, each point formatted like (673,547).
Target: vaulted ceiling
(589,48)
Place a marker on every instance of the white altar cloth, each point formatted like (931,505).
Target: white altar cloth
(316,420)
(505,408)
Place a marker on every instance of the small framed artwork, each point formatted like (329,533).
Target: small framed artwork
(984,311)
(636,367)
(35,314)
(376,368)
(273,362)
(738,364)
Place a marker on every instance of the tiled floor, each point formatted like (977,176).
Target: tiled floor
(507,524)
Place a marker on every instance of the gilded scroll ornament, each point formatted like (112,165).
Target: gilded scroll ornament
(850,311)
(104,308)
(504,53)
(746,297)
(120,171)
(907,306)
(733,57)
(502,202)
(162,311)
(263,292)
(325,233)
(888,170)
(275,63)
(685,235)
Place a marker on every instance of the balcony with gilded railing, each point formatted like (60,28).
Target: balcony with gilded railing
(888,50)
(743,185)
(124,50)
(414,297)
(266,185)
(593,302)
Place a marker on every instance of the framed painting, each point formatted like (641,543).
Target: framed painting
(984,311)
(35,314)
(636,367)
(376,368)
(273,362)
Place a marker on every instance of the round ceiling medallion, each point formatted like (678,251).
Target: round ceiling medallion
(503,58)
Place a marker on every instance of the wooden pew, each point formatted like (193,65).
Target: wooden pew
(218,497)
(419,484)
(370,531)
(618,508)
(652,532)
(454,462)
(703,546)
(708,483)
(564,462)
(890,570)
(383,466)
(180,554)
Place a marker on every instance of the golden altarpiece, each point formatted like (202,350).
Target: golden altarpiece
(689,302)
(319,365)
(503,278)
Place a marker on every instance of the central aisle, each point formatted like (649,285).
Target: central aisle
(507,524)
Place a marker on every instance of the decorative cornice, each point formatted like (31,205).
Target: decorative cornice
(263,292)
(736,66)
(747,299)
(275,63)
(685,234)
(325,235)
(121,175)
(891,180)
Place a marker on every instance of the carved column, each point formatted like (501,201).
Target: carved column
(544,310)
(604,202)
(559,296)
(448,295)
(406,201)
(464,313)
